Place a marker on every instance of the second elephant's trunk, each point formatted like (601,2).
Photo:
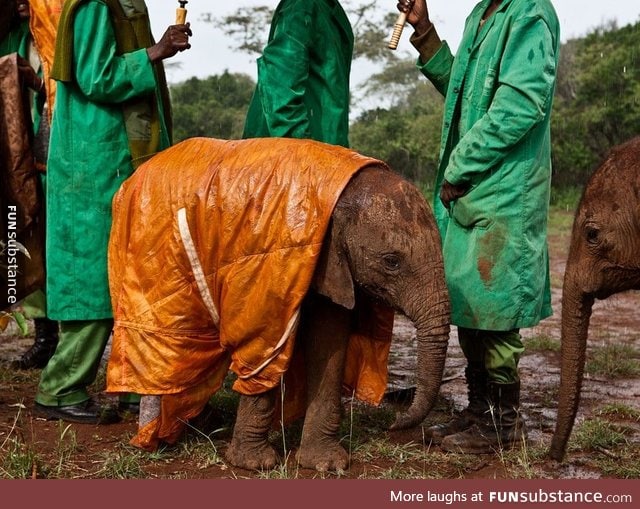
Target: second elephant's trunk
(576,312)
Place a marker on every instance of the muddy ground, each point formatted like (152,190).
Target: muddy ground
(32,447)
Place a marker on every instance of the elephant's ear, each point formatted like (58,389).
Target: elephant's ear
(332,277)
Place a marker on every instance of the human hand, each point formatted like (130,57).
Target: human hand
(417,14)
(174,40)
(28,76)
(450,192)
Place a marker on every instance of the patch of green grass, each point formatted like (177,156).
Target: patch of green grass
(613,361)
(200,450)
(620,411)
(402,461)
(18,460)
(542,343)
(11,377)
(364,422)
(559,237)
(122,464)
(548,396)
(282,471)
(66,446)
(461,464)
(396,472)
(196,447)
(524,461)
(616,456)
(560,221)
(383,449)
(565,198)
(595,434)
(624,464)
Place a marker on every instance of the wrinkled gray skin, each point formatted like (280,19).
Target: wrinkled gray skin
(382,240)
(604,258)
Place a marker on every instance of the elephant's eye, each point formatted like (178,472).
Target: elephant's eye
(592,234)
(391,261)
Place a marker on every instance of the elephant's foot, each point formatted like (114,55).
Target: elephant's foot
(325,455)
(250,446)
(252,456)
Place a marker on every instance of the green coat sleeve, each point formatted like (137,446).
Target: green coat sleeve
(438,68)
(101,74)
(525,87)
(283,72)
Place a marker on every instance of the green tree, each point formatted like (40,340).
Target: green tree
(407,135)
(597,104)
(214,107)
(248,29)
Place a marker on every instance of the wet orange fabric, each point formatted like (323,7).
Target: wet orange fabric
(43,24)
(213,248)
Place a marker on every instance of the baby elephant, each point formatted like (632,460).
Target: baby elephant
(282,260)
(604,258)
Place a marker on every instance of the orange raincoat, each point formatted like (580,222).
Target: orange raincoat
(213,248)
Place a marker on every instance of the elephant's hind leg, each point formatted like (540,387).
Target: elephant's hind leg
(325,334)
(250,448)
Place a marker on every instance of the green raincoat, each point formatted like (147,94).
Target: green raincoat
(90,156)
(495,138)
(17,40)
(303,74)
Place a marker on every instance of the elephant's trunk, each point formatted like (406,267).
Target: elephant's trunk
(576,312)
(432,325)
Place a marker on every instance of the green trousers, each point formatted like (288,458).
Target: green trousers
(498,351)
(75,364)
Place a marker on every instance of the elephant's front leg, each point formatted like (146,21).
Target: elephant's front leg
(325,334)
(250,446)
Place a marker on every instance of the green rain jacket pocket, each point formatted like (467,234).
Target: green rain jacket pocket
(488,89)
(476,209)
(481,85)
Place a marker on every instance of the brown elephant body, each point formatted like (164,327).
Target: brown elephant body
(604,259)
(380,243)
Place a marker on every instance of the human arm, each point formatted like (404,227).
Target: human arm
(524,83)
(283,73)
(427,41)
(101,74)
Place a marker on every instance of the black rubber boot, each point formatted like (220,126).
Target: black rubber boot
(46,341)
(502,427)
(476,376)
